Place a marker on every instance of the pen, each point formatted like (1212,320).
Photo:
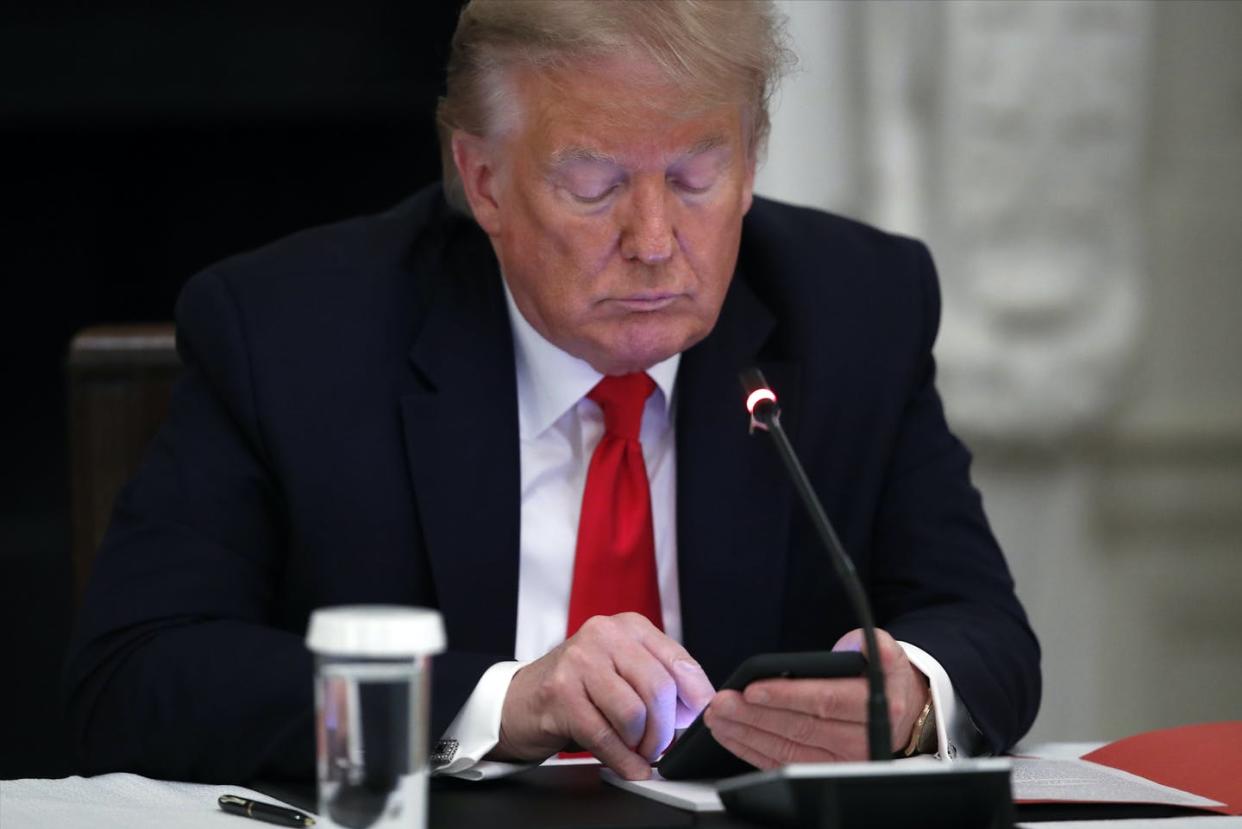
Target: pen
(279,815)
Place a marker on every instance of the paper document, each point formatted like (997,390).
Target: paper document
(119,801)
(1205,758)
(693,796)
(1079,781)
(1204,822)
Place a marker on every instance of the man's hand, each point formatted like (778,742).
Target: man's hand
(779,721)
(618,688)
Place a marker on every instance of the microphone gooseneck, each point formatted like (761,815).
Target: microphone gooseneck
(765,414)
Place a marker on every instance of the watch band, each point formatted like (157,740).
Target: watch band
(922,736)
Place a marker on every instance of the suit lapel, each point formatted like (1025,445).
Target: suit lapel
(733,499)
(461,438)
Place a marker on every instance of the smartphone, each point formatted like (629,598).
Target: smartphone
(697,755)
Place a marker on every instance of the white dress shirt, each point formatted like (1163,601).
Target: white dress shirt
(558,430)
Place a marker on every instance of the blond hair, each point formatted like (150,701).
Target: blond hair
(718,50)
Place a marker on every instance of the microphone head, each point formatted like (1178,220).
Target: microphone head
(758,393)
(759,396)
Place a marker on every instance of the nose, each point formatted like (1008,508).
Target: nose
(647,235)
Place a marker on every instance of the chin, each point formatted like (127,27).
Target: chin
(642,346)
(627,364)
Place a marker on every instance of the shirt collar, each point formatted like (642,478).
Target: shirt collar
(551,381)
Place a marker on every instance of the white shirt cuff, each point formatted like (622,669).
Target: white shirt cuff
(476,728)
(956,735)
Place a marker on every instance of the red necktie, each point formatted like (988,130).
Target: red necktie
(614,566)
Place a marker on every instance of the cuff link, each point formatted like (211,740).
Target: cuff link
(443,753)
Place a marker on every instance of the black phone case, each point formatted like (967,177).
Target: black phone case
(697,755)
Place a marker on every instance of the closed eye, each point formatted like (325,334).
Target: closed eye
(594,198)
(698,173)
(688,187)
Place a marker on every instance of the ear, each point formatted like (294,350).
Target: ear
(476,163)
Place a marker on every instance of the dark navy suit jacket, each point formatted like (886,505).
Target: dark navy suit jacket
(346,432)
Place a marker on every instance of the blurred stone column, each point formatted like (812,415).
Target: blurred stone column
(1010,136)
(816,135)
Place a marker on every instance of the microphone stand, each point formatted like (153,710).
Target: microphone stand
(766,415)
(963,794)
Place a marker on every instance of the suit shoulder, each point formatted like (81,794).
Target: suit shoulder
(320,261)
(782,231)
(794,255)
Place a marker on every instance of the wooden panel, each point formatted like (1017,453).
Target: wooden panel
(120,381)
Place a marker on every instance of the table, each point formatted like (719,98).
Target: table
(551,797)
(566,796)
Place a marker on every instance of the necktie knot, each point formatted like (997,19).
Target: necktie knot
(622,398)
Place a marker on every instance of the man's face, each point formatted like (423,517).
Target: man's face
(615,216)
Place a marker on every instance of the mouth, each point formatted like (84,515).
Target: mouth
(646,301)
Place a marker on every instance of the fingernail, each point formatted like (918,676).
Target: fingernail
(758,696)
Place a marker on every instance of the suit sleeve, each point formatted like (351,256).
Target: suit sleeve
(177,669)
(939,579)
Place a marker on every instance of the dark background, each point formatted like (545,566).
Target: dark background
(140,143)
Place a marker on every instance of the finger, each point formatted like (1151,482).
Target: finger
(906,686)
(622,639)
(694,689)
(835,736)
(747,741)
(891,653)
(744,751)
(619,702)
(685,715)
(657,689)
(893,658)
(592,731)
(852,641)
(829,699)
(841,739)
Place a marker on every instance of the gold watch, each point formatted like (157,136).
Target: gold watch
(923,735)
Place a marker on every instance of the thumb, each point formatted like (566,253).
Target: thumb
(890,652)
(852,641)
(694,691)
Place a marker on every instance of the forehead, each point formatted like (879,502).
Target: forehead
(618,109)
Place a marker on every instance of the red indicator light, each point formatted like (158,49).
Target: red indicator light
(759,395)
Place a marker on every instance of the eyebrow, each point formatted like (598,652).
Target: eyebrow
(711,142)
(569,155)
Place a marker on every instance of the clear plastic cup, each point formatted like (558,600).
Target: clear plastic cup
(372,696)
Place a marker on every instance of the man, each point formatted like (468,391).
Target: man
(510,415)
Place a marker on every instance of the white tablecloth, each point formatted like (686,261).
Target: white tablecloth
(118,801)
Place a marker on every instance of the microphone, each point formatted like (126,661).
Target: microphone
(884,793)
(765,415)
